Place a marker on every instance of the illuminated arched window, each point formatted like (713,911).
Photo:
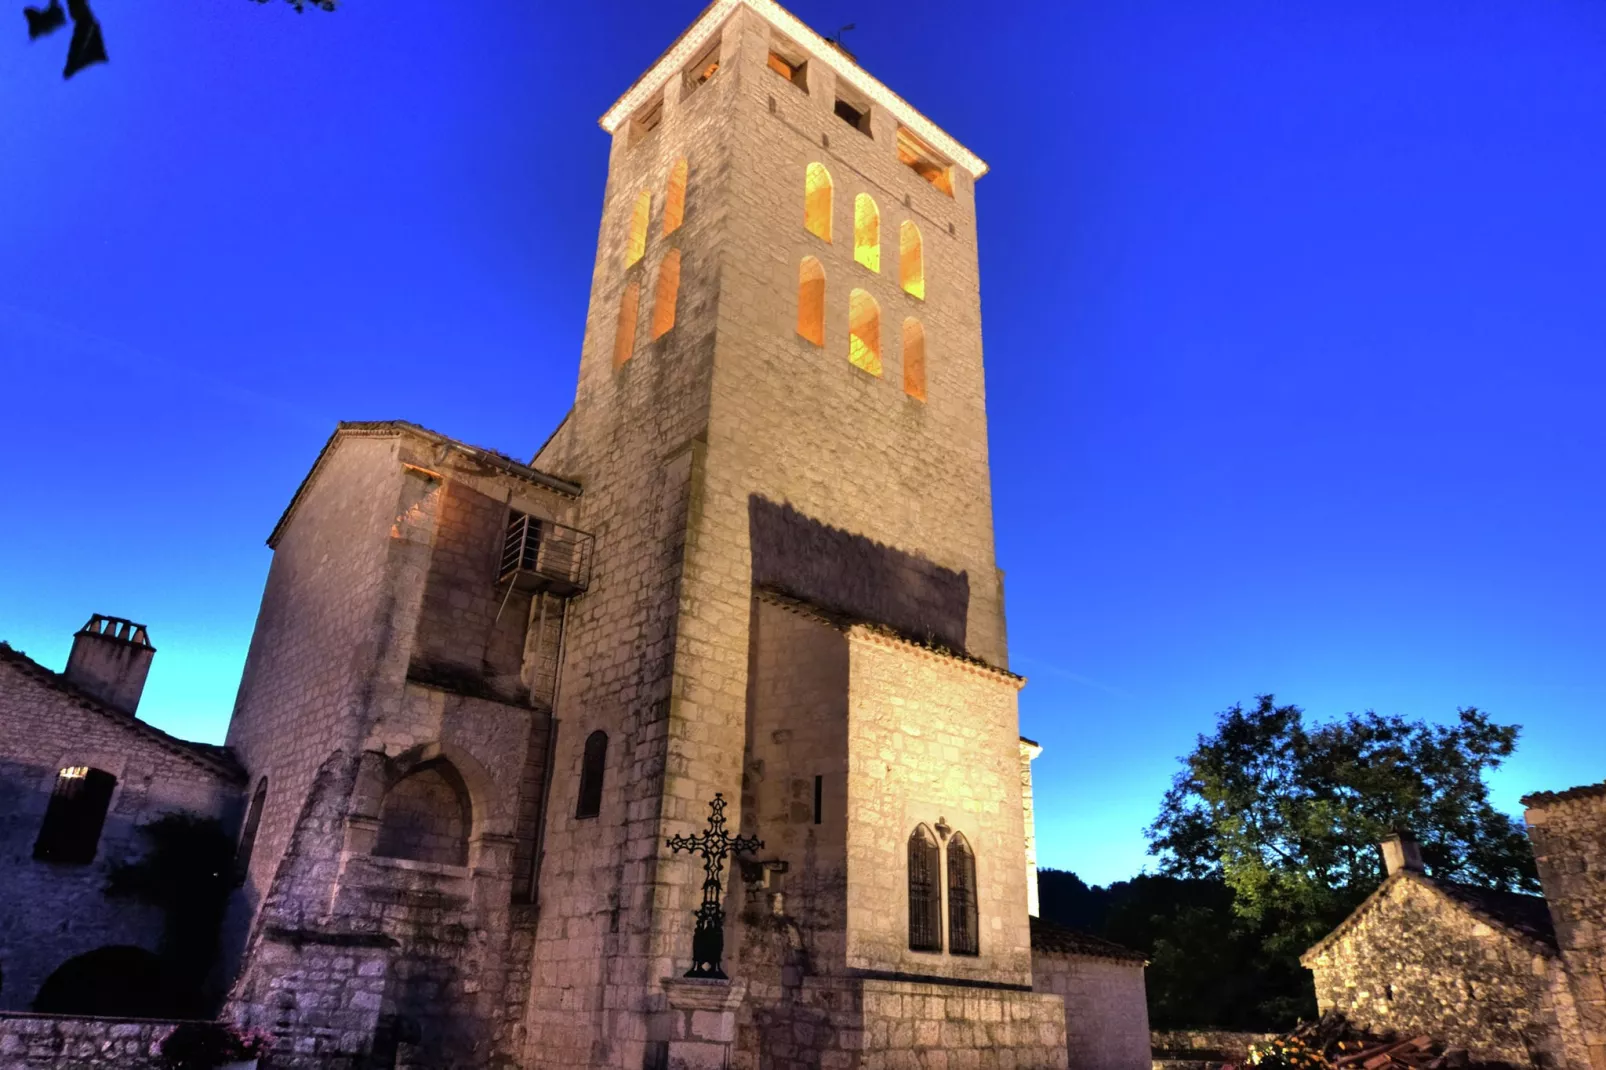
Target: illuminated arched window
(911,260)
(962,919)
(624,339)
(636,245)
(811,300)
(864,332)
(817,201)
(914,359)
(663,302)
(925,891)
(75,815)
(675,197)
(866,232)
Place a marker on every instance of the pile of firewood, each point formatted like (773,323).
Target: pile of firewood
(1332,1041)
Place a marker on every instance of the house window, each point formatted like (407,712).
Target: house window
(919,158)
(75,816)
(592,766)
(925,892)
(817,201)
(663,302)
(624,338)
(914,359)
(811,300)
(636,242)
(864,332)
(248,831)
(855,113)
(675,197)
(867,232)
(962,920)
(911,260)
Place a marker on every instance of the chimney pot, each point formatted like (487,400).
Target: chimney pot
(110,659)
(1401,852)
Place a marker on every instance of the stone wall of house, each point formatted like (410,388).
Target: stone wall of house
(1418,962)
(1568,833)
(1106,1009)
(55,911)
(53,1042)
(1205,1044)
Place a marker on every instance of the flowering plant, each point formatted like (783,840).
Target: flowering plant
(206,1045)
(1287,1053)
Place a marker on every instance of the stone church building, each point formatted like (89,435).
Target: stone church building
(754,564)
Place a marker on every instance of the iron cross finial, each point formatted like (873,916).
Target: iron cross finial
(708,939)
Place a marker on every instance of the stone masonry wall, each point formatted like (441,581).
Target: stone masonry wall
(53,911)
(1106,1009)
(49,1042)
(1568,832)
(1418,962)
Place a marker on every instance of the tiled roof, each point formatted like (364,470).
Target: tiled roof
(215,759)
(1544,798)
(1527,914)
(1058,940)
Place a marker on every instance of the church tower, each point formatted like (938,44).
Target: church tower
(780,435)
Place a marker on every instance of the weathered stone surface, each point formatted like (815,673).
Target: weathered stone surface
(1568,832)
(36,1042)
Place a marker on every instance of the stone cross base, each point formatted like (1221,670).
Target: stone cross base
(700,1022)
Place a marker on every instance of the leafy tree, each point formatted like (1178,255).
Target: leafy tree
(1289,815)
(88,46)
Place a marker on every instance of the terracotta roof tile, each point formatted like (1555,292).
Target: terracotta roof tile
(1058,940)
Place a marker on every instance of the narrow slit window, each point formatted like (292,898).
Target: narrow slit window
(248,832)
(811,300)
(636,243)
(75,816)
(911,260)
(624,338)
(817,201)
(867,232)
(663,302)
(675,197)
(854,113)
(864,332)
(592,766)
(819,792)
(914,359)
(919,157)
(962,913)
(925,892)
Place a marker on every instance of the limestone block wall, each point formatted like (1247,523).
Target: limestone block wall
(1568,832)
(56,911)
(932,739)
(1106,1009)
(1418,962)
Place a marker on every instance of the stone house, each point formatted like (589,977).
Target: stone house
(80,774)
(1568,833)
(1476,968)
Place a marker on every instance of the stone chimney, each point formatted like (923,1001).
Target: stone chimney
(1401,852)
(109,660)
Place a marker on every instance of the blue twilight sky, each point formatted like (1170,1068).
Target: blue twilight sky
(1295,323)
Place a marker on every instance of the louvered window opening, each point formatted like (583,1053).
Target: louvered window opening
(962,920)
(925,893)
(540,555)
(73,820)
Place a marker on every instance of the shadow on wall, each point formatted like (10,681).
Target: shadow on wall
(850,574)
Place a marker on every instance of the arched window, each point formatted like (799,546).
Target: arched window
(592,766)
(925,892)
(77,812)
(962,920)
(817,201)
(426,816)
(636,245)
(866,232)
(663,302)
(864,332)
(675,198)
(248,831)
(911,260)
(624,338)
(811,300)
(914,359)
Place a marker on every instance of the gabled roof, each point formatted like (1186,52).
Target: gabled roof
(1525,918)
(1545,798)
(216,760)
(381,428)
(684,49)
(1058,940)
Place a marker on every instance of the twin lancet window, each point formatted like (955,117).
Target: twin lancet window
(925,894)
(667,290)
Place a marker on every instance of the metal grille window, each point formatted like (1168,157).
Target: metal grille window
(591,769)
(77,812)
(925,892)
(962,920)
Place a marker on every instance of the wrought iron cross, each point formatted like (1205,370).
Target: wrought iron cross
(708,939)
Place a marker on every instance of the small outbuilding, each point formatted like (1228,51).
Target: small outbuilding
(1106,1004)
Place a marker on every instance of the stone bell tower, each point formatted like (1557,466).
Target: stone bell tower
(780,432)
